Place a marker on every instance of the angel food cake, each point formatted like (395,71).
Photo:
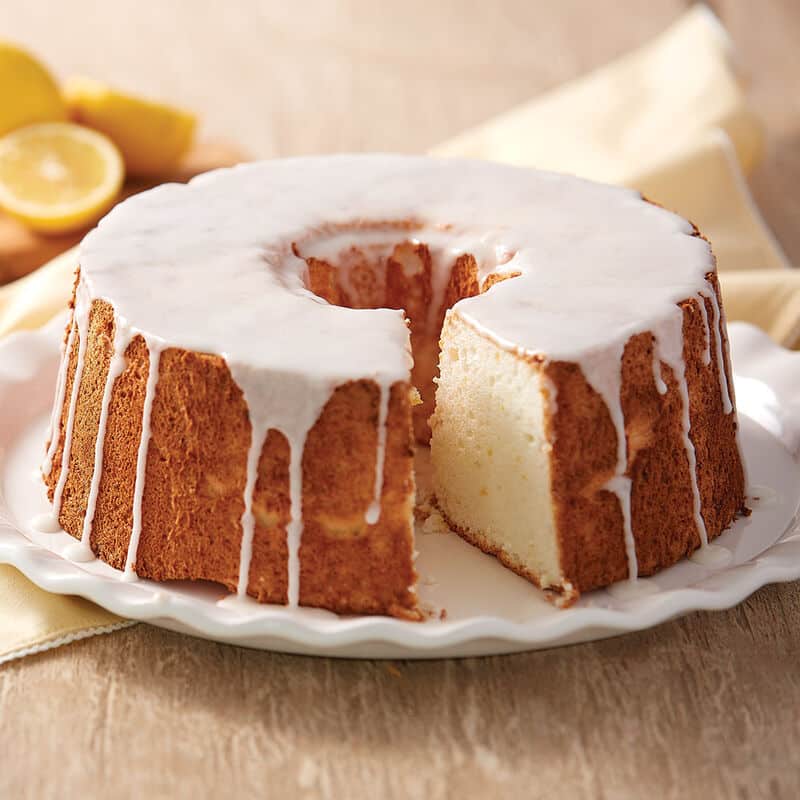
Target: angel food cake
(237,395)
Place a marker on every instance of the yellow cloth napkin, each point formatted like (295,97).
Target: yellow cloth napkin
(32,620)
(669,119)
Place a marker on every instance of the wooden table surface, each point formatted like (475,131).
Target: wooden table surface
(707,706)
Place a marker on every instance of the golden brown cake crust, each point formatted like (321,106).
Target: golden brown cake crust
(200,433)
(588,517)
(195,477)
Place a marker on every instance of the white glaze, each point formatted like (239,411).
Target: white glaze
(633,590)
(82,308)
(257,438)
(658,378)
(208,266)
(727,404)
(374,511)
(154,349)
(294,530)
(620,485)
(78,551)
(58,404)
(45,523)
(605,377)
(115,369)
(669,348)
(701,303)
(238,602)
(442,262)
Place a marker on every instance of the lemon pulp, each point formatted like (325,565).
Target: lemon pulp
(57,177)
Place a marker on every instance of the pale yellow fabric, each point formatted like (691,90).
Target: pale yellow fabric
(614,123)
(31,620)
(669,119)
(645,121)
(35,299)
(705,184)
(768,298)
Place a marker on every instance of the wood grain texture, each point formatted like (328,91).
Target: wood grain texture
(704,707)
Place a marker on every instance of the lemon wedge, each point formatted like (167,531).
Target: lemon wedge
(58,177)
(152,137)
(28,92)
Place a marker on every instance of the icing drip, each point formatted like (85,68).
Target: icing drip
(580,295)
(339,248)
(257,438)
(661,387)
(620,485)
(77,551)
(727,405)
(725,388)
(604,375)
(701,304)
(670,345)
(83,551)
(442,263)
(290,405)
(58,405)
(294,530)
(374,511)
(633,590)
(45,523)
(141,457)
(82,303)
(712,555)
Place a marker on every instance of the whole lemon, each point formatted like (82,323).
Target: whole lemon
(28,93)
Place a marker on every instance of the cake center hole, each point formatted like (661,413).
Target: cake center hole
(401,267)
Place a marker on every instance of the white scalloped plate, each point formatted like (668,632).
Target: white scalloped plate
(488,609)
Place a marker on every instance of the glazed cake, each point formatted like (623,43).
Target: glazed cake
(237,400)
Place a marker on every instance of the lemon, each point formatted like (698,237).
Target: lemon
(151,136)
(28,92)
(57,177)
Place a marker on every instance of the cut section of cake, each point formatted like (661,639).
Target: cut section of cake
(575,474)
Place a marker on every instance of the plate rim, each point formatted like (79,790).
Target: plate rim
(24,354)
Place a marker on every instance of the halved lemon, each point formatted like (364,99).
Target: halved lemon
(58,177)
(28,93)
(152,137)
